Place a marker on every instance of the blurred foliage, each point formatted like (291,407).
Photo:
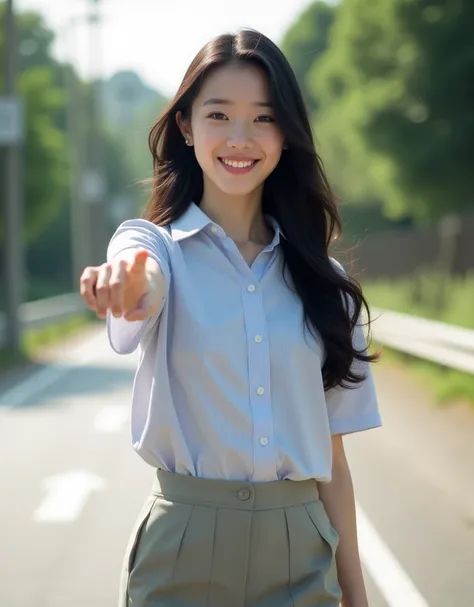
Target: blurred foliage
(45,157)
(117,167)
(305,43)
(418,295)
(362,220)
(139,153)
(133,157)
(394,103)
(49,259)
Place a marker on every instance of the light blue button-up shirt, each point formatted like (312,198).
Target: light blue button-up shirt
(229,383)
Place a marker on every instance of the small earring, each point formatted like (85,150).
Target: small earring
(187,142)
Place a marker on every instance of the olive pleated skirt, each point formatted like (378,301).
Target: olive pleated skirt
(212,543)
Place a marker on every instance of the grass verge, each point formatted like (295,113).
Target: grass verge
(36,339)
(430,295)
(445,385)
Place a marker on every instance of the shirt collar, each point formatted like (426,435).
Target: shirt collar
(278,234)
(194,220)
(191,222)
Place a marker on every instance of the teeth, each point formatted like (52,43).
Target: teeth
(238,164)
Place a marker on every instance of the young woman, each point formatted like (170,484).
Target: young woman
(254,362)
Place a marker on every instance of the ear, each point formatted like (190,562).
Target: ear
(185,128)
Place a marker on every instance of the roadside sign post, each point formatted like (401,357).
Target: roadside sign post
(11,135)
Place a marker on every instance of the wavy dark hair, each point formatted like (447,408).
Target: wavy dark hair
(297,194)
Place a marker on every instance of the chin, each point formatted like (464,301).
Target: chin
(238,191)
(235,186)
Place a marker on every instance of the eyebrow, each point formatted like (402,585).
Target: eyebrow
(217,101)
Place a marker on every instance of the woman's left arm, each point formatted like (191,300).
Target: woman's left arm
(338,499)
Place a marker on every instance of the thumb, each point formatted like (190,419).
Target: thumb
(146,308)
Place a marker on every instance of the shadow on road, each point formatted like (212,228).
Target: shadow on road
(62,381)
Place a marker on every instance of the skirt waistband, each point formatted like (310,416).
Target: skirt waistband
(233,494)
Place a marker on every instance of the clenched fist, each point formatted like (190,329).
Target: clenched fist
(131,287)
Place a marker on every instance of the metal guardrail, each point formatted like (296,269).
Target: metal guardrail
(37,314)
(431,340)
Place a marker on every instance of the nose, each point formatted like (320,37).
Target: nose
(239,138)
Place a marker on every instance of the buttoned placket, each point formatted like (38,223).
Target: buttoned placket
(259,381)
(258,354)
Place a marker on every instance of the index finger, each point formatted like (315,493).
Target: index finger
(139,261)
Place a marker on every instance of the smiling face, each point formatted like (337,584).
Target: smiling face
(233,130)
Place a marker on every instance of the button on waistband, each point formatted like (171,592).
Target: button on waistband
(243,494)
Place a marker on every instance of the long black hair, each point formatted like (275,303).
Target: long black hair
(296,194)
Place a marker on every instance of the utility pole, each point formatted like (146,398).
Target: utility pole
(11,136)
(95,181)
(78,226)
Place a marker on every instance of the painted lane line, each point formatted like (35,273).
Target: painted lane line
(44,378)
(394,584)
(66,496)
(112,419)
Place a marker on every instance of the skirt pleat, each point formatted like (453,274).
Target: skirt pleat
(158,548)
(194,562)
(268,580)
(229,569)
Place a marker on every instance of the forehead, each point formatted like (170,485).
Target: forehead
(237,82)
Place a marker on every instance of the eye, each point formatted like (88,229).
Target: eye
(265,118)
(217,116)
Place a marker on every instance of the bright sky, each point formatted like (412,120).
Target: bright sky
(157,38)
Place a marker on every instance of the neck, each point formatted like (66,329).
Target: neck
(240,217)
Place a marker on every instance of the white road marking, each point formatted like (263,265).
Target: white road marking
(386,572)
(112,419)
(43,379)
(66,496)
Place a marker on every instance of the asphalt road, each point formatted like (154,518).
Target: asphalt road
(71,487)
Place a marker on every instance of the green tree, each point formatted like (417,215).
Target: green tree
(44,154)
(396,91)
(305,43)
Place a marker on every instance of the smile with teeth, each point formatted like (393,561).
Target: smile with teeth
(238,164)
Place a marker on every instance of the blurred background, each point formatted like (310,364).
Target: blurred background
(389,86)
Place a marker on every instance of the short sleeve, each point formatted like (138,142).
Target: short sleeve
(125,336)
(355,408)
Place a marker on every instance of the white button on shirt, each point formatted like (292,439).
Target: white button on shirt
(226,367)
